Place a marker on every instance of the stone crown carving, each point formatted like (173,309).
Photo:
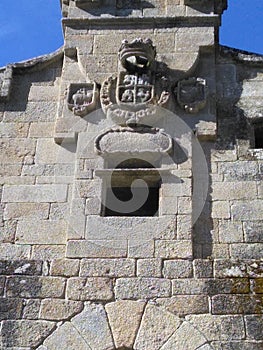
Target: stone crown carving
(137,55)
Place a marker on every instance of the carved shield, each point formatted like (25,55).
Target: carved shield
(134,89)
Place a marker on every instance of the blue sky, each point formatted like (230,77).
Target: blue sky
(30,28)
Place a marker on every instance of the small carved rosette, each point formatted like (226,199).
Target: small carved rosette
(82,98)
(192,94)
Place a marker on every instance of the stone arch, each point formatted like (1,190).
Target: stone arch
(126,325)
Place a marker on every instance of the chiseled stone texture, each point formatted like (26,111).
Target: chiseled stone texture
(64,267)
(56,309)
(185,304)
(24,333)
(124,318)
(21,267)
(107,267)
(90,288)
(142,288)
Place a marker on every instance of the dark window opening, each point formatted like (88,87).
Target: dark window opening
(149,207)
(258,133)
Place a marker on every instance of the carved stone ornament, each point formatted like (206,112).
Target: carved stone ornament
(82,98)
(131,98)
(192,94)
(133,141)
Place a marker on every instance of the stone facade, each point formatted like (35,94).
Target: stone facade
(141,98)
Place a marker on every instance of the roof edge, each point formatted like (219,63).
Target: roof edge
(241,55)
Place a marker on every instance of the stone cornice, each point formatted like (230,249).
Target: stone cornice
(241,55)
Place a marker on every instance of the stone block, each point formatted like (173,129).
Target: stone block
(149,267)
(184,205)
(91,288)
(64,337)
(57,310)
(152,335)
(124,318)
(26,211)
(181,339)
(237,304)
(246,250)
(92,325)
(171,249)
(48,252)
(177,269)
(35,287)
(184,227)
(182,305)
(143,249)
(20,267)
(2,285)
(219,327)
(239,171)
(237,345)
(25,333)
(41,232)
(31,309)
(226,155)
(64,267)
(10,309)
(220,210)
(203,268)
(44,129)
(248,211)
(14,130)
(35,193)
(253,231)
(142,288)
(254,326)
(234,190)
(210,286)
(48,152)
(96,249)
(230,232)
(107,267)
(43,93)
(14,151)
(14,251)
(257,285)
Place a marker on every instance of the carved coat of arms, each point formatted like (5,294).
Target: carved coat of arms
(131,98)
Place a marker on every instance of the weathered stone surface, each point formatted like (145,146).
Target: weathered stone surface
(170,249)
(254,326)
(230,232)
(177,269)
(124,319)
(25,333)
(20,267)
(35,193)
(219,327)
(246,251)
(185,304)
(252,210)
(26,211)
(14,251)
(107,267)
(149,267)
(239,171)
(44,129)
(64,267)
(153,334)
(65,337)
(237,304)
(210,286)
(48,252)
(96,249)
(2,285)
(35,287)
(31,309)
(203,268)
(93,326)
(253,231)
(257,285)
(14,150)
(220,209)
(91,288)
(55,309)
(234,190)
(143,249)
(142,288)
(10,309)
(182,341)
(237,345)
(41,232)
